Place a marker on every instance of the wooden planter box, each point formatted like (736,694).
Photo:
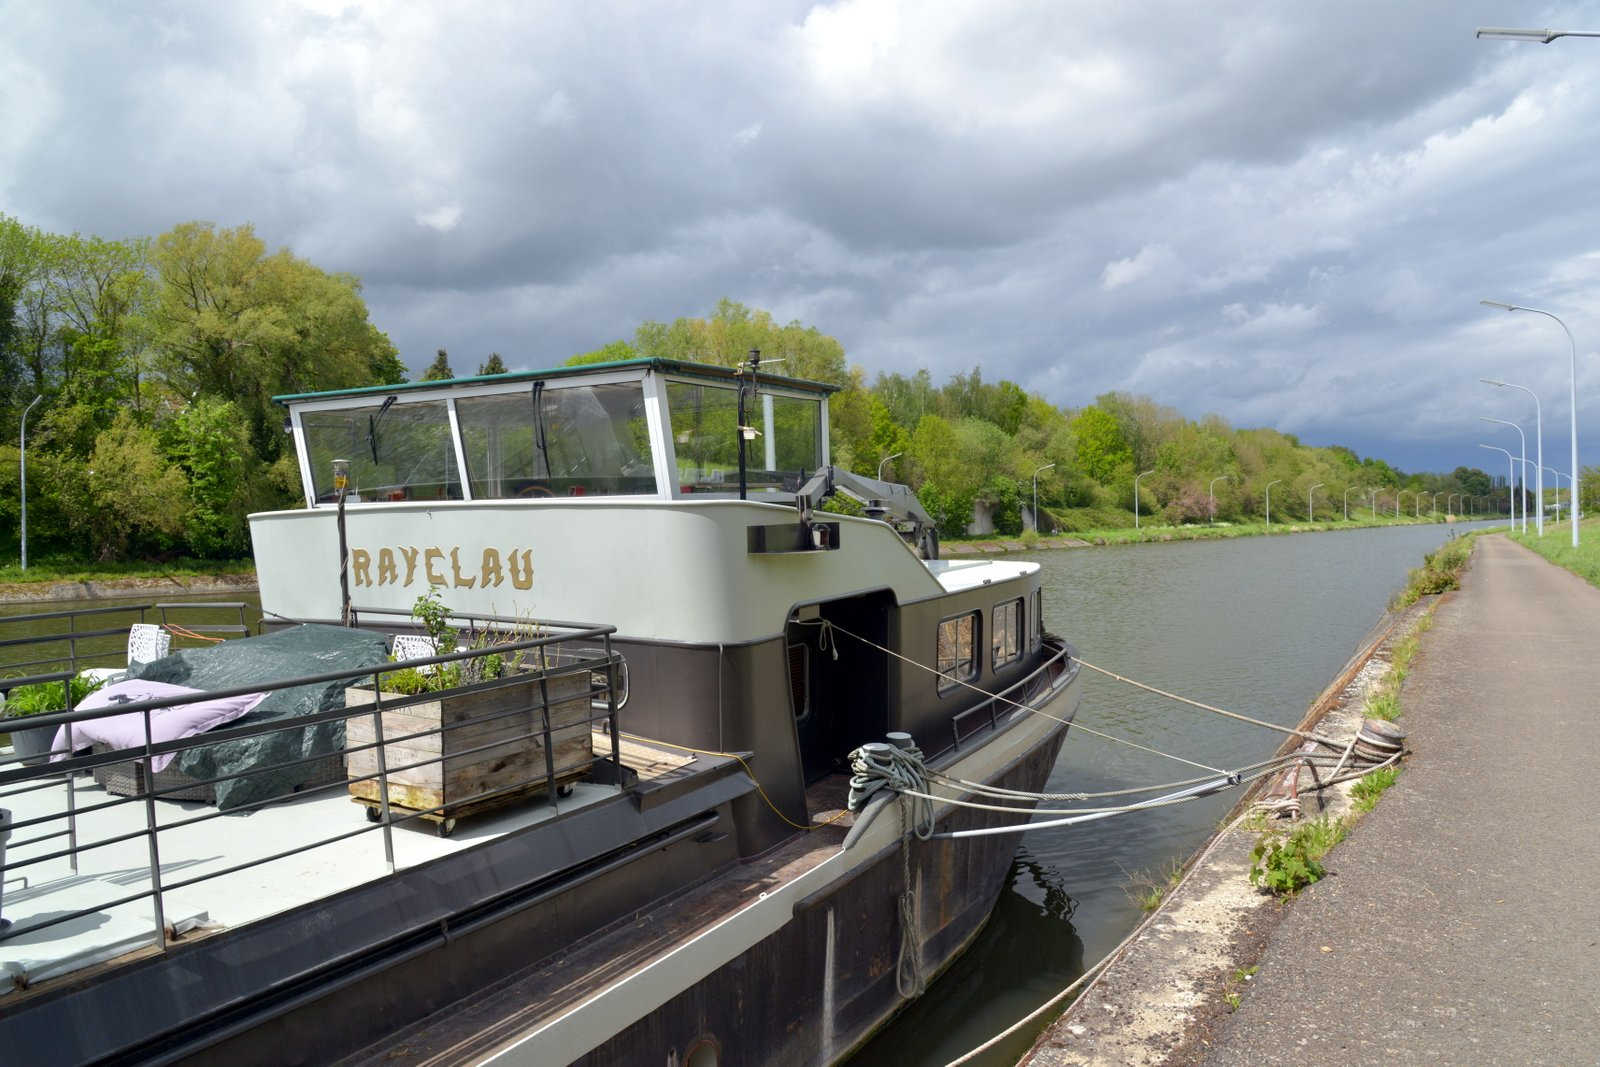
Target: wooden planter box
(489,740)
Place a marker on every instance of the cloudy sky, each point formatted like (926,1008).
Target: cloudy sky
(1281,213)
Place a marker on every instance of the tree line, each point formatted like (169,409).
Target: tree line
(145,368)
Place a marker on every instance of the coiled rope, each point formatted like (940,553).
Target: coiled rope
(876,767)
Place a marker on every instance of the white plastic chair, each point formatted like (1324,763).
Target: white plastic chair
(414,646)
(147,643)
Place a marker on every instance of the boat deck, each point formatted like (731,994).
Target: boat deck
(217,870)
(472,1030)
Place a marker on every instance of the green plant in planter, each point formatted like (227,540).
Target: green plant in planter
(433,617)
(41,698)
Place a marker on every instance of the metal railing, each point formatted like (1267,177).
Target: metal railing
(36,826)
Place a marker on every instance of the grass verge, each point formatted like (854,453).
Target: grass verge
(1556,546)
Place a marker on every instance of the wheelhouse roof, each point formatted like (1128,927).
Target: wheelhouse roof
(669,366)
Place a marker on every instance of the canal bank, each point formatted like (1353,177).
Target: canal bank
(123,588)
(1455,922)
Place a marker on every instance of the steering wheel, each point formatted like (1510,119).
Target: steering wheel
(537,489)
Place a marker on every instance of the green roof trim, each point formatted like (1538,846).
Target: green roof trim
(668,366)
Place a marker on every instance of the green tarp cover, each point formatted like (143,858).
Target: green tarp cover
(281,656)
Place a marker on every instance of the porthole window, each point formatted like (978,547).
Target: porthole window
(957,652)
(599,686)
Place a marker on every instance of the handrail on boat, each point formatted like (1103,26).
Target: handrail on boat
(1028,688)
(33,832)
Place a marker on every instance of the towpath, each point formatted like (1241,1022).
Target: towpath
(1460,922)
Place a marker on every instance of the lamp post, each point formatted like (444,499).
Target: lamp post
(1538,447)
(1557,473)
(1347,493)
(1523,493)
(1152,470)
(1511,478)
(886,459)
(1374,491)
(1310,498)
(1046,467)
(1507,33)
(22,476)
(1574,344)
(1211,490)
(1433,508)
(1270,484)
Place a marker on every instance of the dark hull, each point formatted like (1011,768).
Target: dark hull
(828,980)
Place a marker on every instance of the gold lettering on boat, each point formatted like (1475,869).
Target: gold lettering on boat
(461,580)
(492,574)
(382,567)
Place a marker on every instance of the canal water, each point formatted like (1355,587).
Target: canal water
(1257,625)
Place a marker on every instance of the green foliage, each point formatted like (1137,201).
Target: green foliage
(1103,454)
(41,698)
(1440,571)
(493,365)
(439,370)
(1366,791)
(206,440)
(1285,863)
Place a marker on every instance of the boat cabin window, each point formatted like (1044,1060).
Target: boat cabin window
(1007,627)
(957,654)
(786,450)
(585,440)
(396,451)
(1036,631)
(800,680)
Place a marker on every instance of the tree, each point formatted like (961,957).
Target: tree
(493,365)
(439,370)
(732,330)
(1102,450)
(232,321)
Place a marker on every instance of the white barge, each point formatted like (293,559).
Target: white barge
(687,886)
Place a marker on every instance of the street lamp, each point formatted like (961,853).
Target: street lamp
(1506,33)
(1152,470)
(886,459)
(1434,507)
(1574,396)
(1310,497)
(1347,493)
(1511,477)
(1523,493)
(1538,446)
(1211,490)
(1373,489)
(1557,473)
(22,476)
(1046,467)
(1270,484)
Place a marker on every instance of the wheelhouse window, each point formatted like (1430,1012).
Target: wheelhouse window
(800,680)
(397,451)
(705,438)
(957,652)
(586,440)
(1007,632)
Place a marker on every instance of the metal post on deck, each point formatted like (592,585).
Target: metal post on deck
(150,833)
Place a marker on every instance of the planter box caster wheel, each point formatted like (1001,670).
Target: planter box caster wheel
(446,827)
(564,790)
(374,814)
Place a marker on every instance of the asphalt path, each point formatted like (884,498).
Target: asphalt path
(1460,922)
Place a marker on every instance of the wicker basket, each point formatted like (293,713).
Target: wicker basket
(127,779)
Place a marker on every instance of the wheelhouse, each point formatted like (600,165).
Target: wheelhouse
(646,428)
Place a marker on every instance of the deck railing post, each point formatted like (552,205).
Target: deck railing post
(383,773)
(151,835)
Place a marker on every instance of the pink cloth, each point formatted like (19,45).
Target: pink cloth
(166,724)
